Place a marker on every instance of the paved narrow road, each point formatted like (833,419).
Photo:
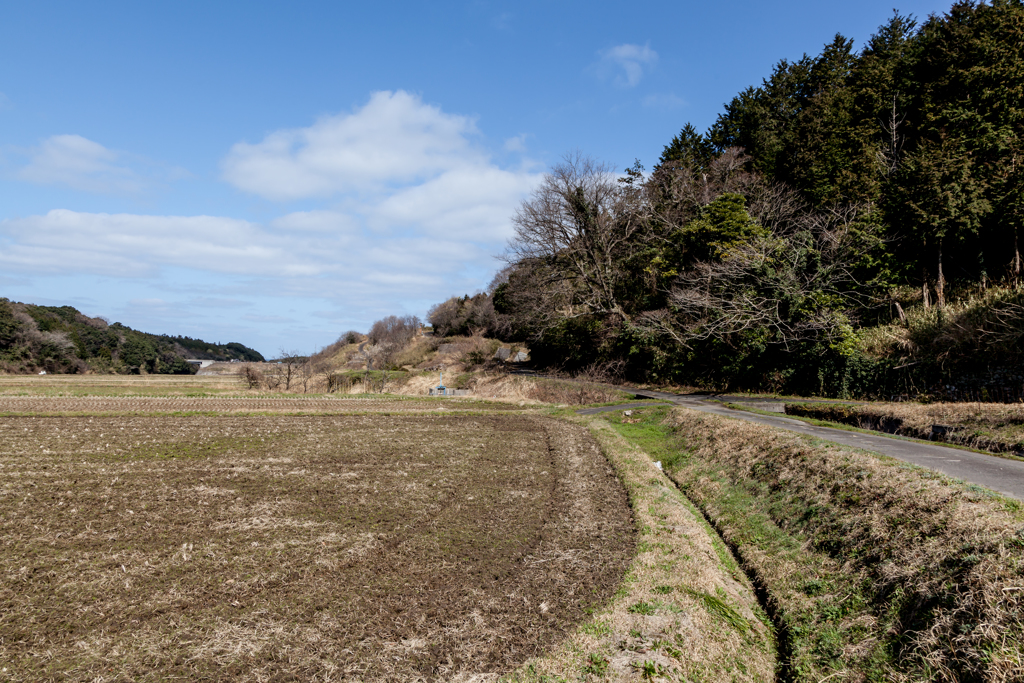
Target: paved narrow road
(999,474)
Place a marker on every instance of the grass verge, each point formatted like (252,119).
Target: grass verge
(818,422)
(991,427)
(874,569)
(685,610)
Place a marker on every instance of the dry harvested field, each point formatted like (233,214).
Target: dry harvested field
(14,405)
(298,547)
(117,385)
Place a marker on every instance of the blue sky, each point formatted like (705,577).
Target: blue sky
(278,173)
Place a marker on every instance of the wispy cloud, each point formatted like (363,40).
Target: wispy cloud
(625,64)
(516,143)
(83,164)
(156,308)
(503,21)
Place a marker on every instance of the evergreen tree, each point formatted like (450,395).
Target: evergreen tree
(689,148)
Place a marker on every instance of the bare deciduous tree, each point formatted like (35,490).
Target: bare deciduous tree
(467,315)
(394,329)
(578,228)
(251,376)
(306,374)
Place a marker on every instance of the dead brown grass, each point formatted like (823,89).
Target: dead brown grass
(684,612)
(518,389)
(146,548)
(416,352)
(995,427)
(878,569)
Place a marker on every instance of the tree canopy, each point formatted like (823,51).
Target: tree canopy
(751,253)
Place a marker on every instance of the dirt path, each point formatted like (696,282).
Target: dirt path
(999,474)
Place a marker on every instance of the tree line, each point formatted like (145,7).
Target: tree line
(844,188)
(924,125)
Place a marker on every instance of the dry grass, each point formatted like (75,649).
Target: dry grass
(989,322)
(519,389)
(876,570)
(685,611)
(299,548)
(996,427)
(417,352)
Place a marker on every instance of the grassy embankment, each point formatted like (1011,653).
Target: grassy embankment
(970,349)
(994,427)
(872,569)
(685,611)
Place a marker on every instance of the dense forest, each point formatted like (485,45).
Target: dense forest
(851,226)
(62,339)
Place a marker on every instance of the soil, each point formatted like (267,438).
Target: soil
(274,548)
(173,404)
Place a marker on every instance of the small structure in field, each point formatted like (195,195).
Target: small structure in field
(442,390)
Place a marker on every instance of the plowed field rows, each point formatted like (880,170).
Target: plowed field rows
(272,548)
(169,404)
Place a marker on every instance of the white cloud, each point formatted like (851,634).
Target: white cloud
(399,173)
(317,221)
(83,164)
(5,102)
(250,259)
(394,139)
(626,63)
(134,245)
(470,203)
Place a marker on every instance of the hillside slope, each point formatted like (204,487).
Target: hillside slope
(62,339)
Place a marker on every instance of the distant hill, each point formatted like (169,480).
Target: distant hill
(62,339)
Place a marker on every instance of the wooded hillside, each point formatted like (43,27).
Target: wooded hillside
(849,226)
(62,339)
